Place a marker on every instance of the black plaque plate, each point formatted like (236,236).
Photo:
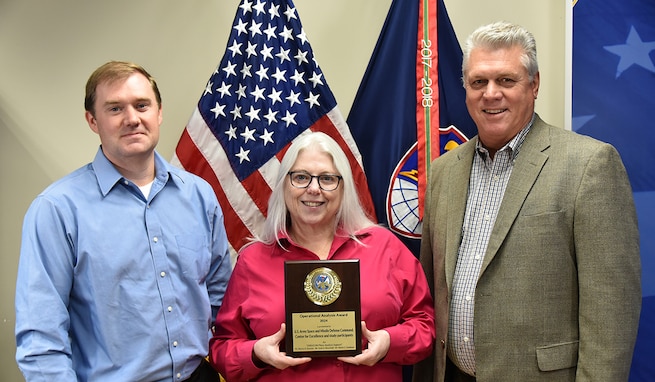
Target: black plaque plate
(323,308)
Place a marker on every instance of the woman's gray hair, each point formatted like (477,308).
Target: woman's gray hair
(500,35)
(350,216)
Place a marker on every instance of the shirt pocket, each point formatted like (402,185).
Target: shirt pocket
(195,258)
(558,356)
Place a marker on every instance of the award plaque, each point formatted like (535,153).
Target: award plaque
(323,308)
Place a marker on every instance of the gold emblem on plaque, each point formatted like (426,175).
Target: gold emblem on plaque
(322,286)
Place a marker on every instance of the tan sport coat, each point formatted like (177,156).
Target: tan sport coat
(558,297)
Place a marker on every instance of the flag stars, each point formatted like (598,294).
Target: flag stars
(266,52)
(302,37)
(258,93)
(289,118)
(633,52)
(235,48)
(218,110)
(259,7)
(283,55)
(266,137)
(293,98)
(255,28)
(241,92)
(240,27)
(245,71)
(243,155)
(316,79)
(298,77)
(270,32)
(229,70)
(274,11)
(246,6)
(279,75)
(290,13)
(208,88)
(312,100)
(270,116)
(275,96)
(262,73)
(253,114)
(224,90)
(231,133)
(236,112)
(286,33)
(248,134)
(266,85)
(251,49)
(301,57)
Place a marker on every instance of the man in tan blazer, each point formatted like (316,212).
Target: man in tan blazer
(530,238)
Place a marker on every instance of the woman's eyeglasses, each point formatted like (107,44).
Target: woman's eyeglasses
(326,182)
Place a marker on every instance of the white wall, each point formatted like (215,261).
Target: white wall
(49,48)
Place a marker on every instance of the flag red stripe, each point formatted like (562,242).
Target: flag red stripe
(194,161)
(427,94)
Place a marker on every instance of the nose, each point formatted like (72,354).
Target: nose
(131,116)
(491,90)
(313,186)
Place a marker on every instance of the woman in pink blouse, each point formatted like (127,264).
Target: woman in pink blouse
(314,214)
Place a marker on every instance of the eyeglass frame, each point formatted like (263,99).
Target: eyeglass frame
(311,179)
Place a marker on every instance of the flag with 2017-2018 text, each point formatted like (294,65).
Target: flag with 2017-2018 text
(266,91)
(410,108)
(613,80)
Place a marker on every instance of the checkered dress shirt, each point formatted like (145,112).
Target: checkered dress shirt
(489,178)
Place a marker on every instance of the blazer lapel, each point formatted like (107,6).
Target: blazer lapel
(457,195)
(525,173)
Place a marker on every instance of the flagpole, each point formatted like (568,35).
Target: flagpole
(568,64)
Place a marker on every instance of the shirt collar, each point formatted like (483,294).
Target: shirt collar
(514,145)
(108,175)
(340,238)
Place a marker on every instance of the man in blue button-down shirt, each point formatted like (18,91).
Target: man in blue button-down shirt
(123,262)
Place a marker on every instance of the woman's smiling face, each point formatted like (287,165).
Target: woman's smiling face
(313,206)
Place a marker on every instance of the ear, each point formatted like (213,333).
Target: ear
(535,85)
(91,120)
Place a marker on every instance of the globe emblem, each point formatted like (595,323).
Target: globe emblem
(403,212)
(403,215)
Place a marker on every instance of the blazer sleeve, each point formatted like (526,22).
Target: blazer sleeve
(608,264)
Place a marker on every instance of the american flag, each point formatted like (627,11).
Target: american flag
(267,90)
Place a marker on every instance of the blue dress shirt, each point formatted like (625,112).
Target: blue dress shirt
(114,286)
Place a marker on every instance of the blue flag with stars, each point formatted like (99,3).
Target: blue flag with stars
(613,82)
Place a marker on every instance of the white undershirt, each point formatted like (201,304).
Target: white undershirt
(145,189)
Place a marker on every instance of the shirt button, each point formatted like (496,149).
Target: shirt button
(468,298)
(466,339)
(174,343)
(179,375)
(162,274)
(155,239)
(170,308)
(487,217)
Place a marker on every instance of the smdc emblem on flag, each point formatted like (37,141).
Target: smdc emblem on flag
(403,209)
(410,108)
